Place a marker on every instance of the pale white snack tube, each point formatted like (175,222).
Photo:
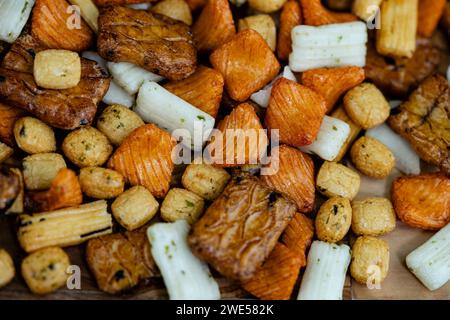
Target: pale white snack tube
(331,137)
(130,76)
(325,272)
(333,45)
(157,105)
(448,74)
(262,96)
(140,6)
(13,16)
(430,262)
(185,276)
(406,159)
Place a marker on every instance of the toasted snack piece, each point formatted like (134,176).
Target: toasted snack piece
(398,28)
(64,192)
(276,279)
(372,157)
(175,9)
(7,270)
(89,12)
(196,4)
(182,204)
(203,89)
(315,14)
(422,201)
(40,169)
(264,25)
(120,261)
(5,152)
(101,183)
(370,260)
(134,208)
(294,177)
(50,25)
(65,109)
(339,113)
(334,219)
(231,237)
(17,207)
(104,3)
(336,180)
(366,106)
(155,42)
(34,136)
(87,147)
(298,236)
(9,188)
(64,227)
(9,116)
(266,6)
(372,216)
(240,140)
(430,11)
(205,180)
(291,16)
(332,83)
(296,111)
(366,9)
(399,75)
(144,158)
(246,63)
(117,122)
(424,120)
(46,270)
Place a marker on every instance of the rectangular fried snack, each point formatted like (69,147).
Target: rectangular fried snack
(298,236)
(424,121)
(291,16)
(276,279)
(294,177)
(203,89)
(65,109)
(145,158)
(246,63)
(155,42)
(241,227)
(430,11)
(422,201)
(315,14)
(64,227)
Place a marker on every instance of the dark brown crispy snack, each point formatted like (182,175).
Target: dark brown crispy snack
(399,76)
(291,16)
(276,279)
(240,229)
(50,26)
(424,120)
(8,116)
(298,236)
(65,109)
(153,41)
(203,89)
(214,26)
(294,178)
(120,261)
(9,188)
(246,63)
(430,11)
(145,158)
(65,192)
(422,201)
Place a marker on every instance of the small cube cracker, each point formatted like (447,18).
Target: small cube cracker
(5,152)
(34,136)
(45,270)
(315,14)
(40,169)
(372,216)
(57,69)
(135,207)
(7,271)
(182,204)
(205,180)
(246,63)
(335,179)
(264,25)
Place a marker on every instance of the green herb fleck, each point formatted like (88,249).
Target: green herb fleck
(189,204)
(24,7)
(334,128)
(201,118)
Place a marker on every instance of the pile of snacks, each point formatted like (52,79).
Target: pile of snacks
(115,136)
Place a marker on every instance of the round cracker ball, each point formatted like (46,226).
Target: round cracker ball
(372,157)
(7,271)
(87,147)
(372,216)
(334,219)
(366,106)
(370,260)
(266,6)
(34,136)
